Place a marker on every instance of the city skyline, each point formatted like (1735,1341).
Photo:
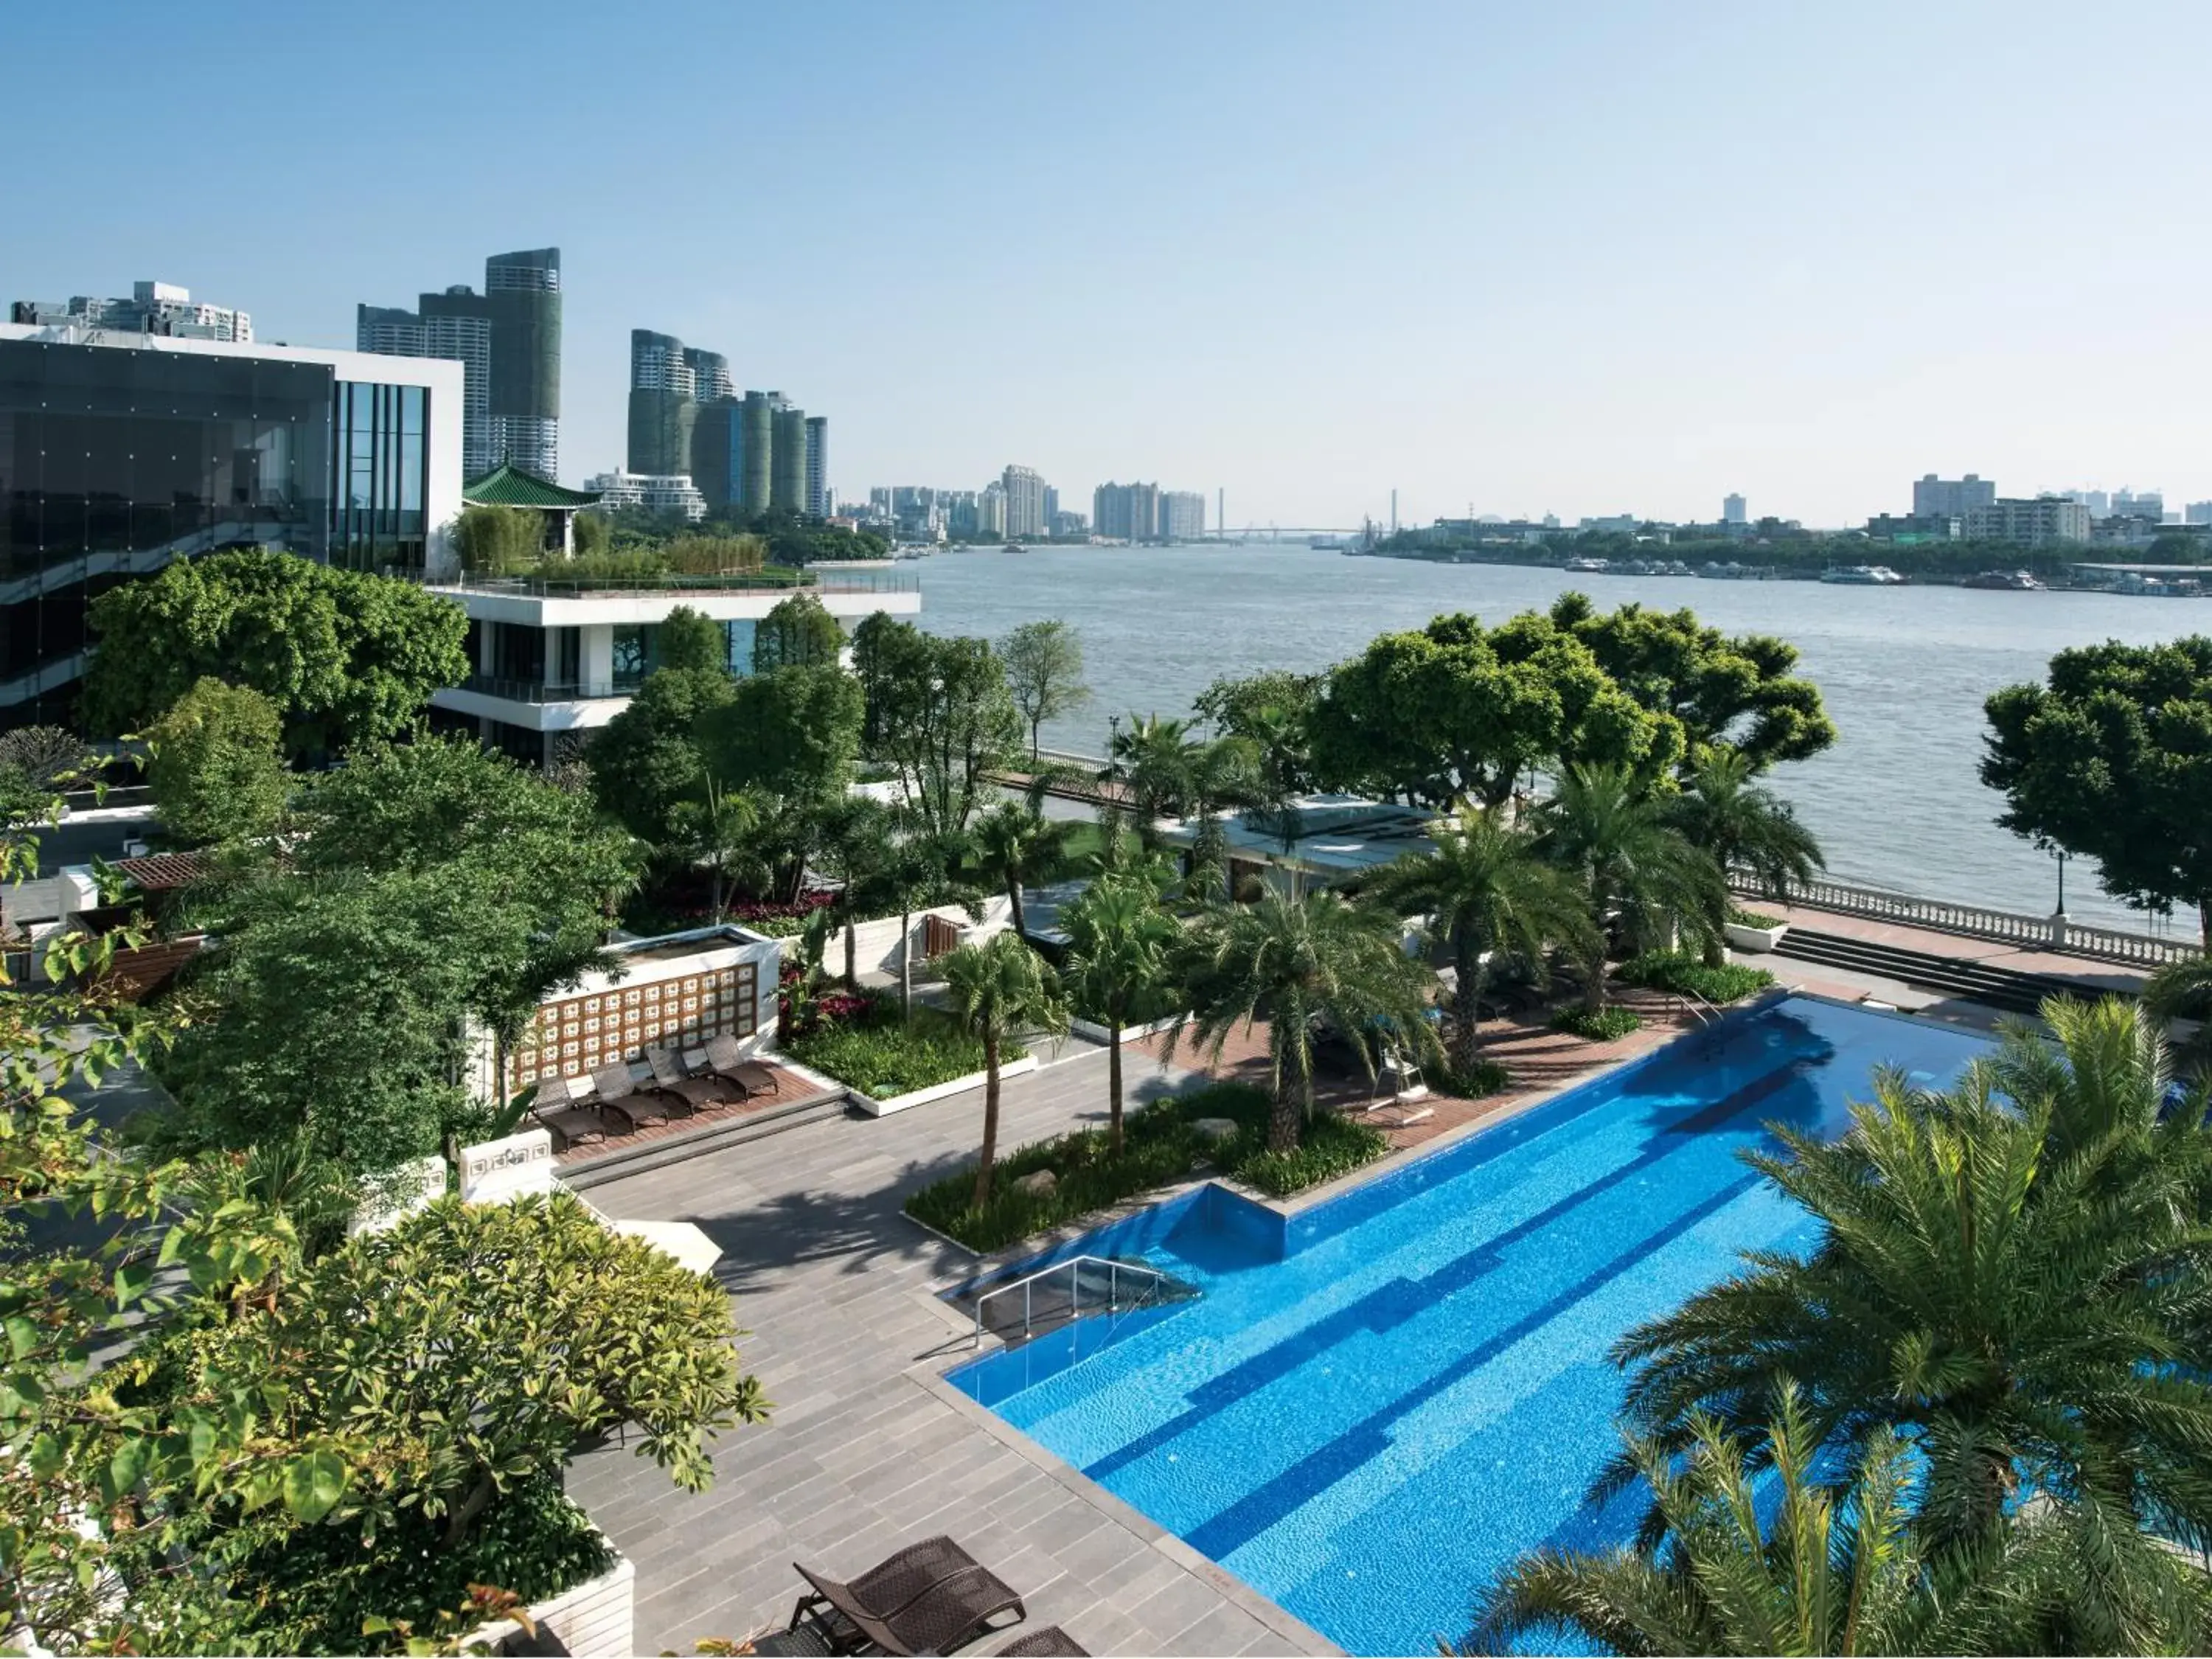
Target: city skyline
(1580,290)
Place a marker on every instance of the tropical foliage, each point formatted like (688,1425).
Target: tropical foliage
(999,991)
(217,764)
(1121,957)
(1743,826)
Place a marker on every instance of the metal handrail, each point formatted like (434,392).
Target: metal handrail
(1694,1003)
(1026,1285)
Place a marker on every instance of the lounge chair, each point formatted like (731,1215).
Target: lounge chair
(1050,1643)
(725,1060)
(618,1092)
(556,1106)
(930,1598)
(669,1076)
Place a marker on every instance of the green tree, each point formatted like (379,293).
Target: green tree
(1016,845)
(855,841)
(499,541)
(1121,957)
(1842,1567)
(217,764)
(1458,710)
(687,639)
(1486,890)
(2183,990)
(646,764)
(2013,1280)
(1044,672)
(1608,829)
(719,827)
(794,730)
(940,711)
(591,535)
(1270,710)
(910,872)
(1000,990)
(1745,827)
(1294,963)
(797,633)
(349,659)
(2112,760)
(1738,693)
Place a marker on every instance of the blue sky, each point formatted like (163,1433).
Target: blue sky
(1585,259)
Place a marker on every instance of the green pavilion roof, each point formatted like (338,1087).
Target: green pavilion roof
(510,486)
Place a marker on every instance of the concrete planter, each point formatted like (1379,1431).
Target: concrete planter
(592,1620)
(1092,1032)
(875,1107)
(1755,939)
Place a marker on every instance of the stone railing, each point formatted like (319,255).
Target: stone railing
(2054,932)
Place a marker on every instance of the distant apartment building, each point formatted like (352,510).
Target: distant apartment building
(1025,511)
(1734,510)
(2197,513)
(1183,516)
(2149,504)
(1051,507)
(649,493)
(817,465)
(2096,501)
(1129,513)
(1065,523)
(2042,521)
(663,404)
(158,308)
(991,510)
(787,460)
(1951,498)
(1905,530)
(120,454)
(507,341)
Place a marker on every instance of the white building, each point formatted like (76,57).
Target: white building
(1183,516)
(158,308)
(1733,509)
(2037,523)
(991,511)
(672,492)
(1024,491)
(1951,498)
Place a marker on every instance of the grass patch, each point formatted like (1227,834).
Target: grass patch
(1687,976)
(1598,1026)
(1159,1148)
(881,1055)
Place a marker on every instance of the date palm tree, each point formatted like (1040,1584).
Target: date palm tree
(1016,846)
(999,990)
(1486,888)
(855,839)
(2183,990)
(1293,962)
(2022,1292)
(1120,953)
(1744,826)
(1605,826)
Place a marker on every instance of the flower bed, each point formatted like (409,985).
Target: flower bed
(1686,976)
(780,920)
(873,1050)
(1600,1025)
(1159,1148)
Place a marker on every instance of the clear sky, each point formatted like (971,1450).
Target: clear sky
(1583,259)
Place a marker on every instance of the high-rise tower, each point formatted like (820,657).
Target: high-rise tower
(663,404)
(787,465)
(817,465)
(757,449)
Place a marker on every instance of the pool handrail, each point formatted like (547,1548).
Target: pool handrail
(1073,1265)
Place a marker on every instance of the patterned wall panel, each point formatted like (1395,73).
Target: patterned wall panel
(579,1034)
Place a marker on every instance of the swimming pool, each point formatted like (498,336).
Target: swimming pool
(1374,1405)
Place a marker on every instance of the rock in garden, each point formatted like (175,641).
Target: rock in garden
(1038,1183)
(1213,1128)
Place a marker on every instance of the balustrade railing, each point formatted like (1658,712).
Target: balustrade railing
(1978,921)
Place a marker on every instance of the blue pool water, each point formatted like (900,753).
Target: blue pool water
(1372,1408)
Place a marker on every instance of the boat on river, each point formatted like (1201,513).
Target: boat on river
(1862,575)
(2005,581)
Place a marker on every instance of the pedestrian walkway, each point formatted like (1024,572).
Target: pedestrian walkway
(2093,976)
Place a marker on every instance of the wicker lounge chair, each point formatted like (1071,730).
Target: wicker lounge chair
(618,1092)
(725,1060)
(930,1598)
(669,1076)
(1050,1643)
(556,1106)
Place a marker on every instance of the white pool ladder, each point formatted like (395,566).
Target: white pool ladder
(1072,1268)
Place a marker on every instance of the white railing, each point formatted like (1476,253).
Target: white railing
(1976,921)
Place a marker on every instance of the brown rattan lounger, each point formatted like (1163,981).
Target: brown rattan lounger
(1050,1643)
(556,1106)
(618,1092)
(728,1061)
(930,1597)
(668,1075)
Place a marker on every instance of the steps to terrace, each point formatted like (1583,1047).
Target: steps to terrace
(2007,988)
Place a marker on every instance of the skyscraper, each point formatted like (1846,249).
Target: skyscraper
(817,465)
(507,340)
(1127,512)
(757,450)
(1183,516)
(663,402)
(788,462)
(1025,488)
(1733,510)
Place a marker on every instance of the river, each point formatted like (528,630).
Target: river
(1897,802)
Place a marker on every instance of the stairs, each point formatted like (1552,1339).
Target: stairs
(674,1149)
(1977,981)
(1088,1290)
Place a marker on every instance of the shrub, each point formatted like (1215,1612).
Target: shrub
(781,920)
(1331,1145)
(1487,1078)
(1686,976)
(1600,1025)
(884,1056)
(1743,918)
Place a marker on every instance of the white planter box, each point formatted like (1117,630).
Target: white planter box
(1755,939)
(875,1107)
(593,1621)
(1091,1032)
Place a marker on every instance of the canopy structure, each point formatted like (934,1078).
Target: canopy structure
(508,485)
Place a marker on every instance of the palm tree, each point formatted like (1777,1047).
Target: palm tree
(1000,990)
(2023,1294)
(1839,1568)
(2183,990)
(854,840)
(1120,951)
(1293,962)
(1743,825)
(1147,760)
(1016,845)
(914,870)
(1485,888)
(1604,825)
(718,829)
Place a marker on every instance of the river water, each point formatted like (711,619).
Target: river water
(1896,802)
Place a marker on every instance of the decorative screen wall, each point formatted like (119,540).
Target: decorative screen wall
(580,1034)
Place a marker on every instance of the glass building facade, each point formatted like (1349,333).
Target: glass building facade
(114,460)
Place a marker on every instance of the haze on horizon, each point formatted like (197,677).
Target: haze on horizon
(1618,257)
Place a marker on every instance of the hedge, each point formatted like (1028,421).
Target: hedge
(1687,976)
